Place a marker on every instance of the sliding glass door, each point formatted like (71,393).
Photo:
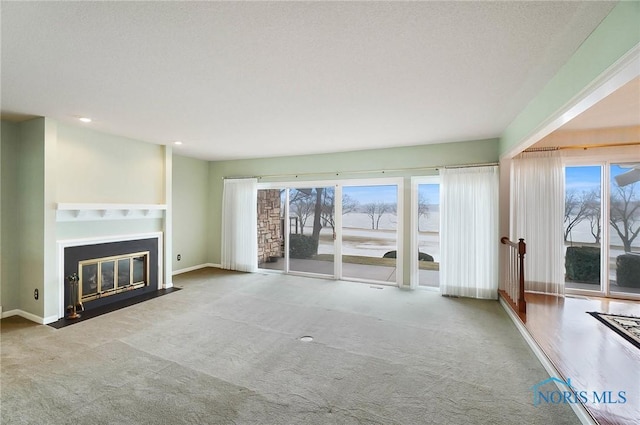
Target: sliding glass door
(310,230)
(583,227)
(624,229)
(344,230)
(602,229)
(370,233)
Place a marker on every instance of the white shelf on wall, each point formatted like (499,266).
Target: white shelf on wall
(93,212)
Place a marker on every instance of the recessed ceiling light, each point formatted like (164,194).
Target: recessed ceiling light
(85,119)
(177,142)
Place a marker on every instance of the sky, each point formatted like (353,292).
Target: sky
(587,177)
(371,194)
(430,192)
(388,193)
(582,178)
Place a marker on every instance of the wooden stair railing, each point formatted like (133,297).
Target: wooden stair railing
(513,285)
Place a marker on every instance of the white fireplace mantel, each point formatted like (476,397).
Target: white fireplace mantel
(93,212)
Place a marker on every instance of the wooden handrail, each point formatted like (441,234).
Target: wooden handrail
(505,240)
(519,249)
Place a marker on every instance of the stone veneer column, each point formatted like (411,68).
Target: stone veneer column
(269,227)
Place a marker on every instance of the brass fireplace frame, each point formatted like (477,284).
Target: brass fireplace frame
(116,284)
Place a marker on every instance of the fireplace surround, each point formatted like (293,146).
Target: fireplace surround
(110,269)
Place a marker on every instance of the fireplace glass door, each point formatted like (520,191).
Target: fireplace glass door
(106,276)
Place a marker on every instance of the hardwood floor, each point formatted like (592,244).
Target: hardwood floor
(594,357)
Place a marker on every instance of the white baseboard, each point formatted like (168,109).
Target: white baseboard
(192,268)
(579,409)
(10,313)
(30,316)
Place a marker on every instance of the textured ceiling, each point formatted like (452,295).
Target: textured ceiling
(255,79)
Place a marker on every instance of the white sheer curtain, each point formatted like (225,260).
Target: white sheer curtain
(537,215)
(469,232)
(240,225)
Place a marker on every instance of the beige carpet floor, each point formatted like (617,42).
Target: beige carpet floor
(227,350)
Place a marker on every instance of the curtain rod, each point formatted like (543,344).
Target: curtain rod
(583,147)
(338,173)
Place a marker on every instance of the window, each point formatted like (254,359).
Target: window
(425,232)
(624,234)
(370,232)
(602,228)
(583,227)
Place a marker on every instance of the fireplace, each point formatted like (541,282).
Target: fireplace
(109,272)
(106,276)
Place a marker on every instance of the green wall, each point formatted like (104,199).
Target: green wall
(2,133)
(348,163)
(30,208)
(190,217)
(43,163)
(50,178)
(618,33)
(412,161)
(96,167)
(9,235)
